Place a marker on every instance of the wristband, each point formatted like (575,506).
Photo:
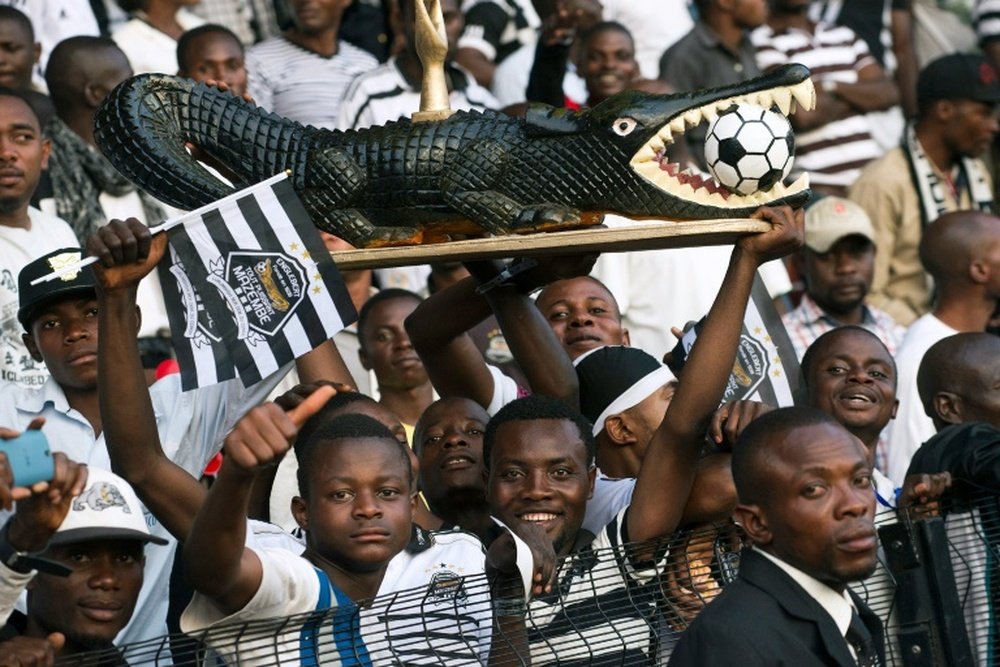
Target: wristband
(513,275)
(23,562)
(509,606)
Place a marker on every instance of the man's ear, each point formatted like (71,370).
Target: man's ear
(948,407)
(754,523)
(979,272)
(944,110)
(300,511)
(617,428)
(626,341)
(591,477)
(895,409)
(93,94)
(29,342)
(363,358)
(46,150)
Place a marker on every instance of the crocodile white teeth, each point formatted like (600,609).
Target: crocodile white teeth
(692,117)
(649,161)
(804,94)
(783,98)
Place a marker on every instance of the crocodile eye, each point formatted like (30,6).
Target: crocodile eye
(623,126)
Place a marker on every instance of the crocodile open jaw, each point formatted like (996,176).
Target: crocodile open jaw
(650,161)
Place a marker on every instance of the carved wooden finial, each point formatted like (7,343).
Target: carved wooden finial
(432,49)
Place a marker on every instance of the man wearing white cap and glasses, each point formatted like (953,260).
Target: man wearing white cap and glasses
(837,265)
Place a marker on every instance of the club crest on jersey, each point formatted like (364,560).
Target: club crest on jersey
(447,585)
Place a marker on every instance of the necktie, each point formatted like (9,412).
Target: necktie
(861,640)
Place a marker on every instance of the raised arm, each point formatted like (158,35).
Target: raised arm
(667,473)
(437,331)
(233,574)
(127,253)
(455,366)
(546,365)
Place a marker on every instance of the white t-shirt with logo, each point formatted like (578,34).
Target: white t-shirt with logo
(433,600)
(19,247)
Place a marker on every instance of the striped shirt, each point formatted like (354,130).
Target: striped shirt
(834,153)
(300,84)
(601,611)
(498,28)
(808,322)
(384,95)
(986,18)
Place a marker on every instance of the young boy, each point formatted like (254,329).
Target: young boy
(356,507)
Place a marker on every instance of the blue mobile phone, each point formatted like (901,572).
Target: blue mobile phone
(29,457)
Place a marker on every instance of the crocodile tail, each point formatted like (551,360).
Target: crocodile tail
(144,123)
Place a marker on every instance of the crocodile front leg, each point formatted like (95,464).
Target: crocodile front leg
(333,182)
(468,187)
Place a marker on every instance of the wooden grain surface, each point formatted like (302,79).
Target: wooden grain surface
(640,236)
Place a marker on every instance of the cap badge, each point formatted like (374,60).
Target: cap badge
(987,75)
(100,497)
(57,262)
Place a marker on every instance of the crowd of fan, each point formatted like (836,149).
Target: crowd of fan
(387,453)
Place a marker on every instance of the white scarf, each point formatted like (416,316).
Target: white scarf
(930,189)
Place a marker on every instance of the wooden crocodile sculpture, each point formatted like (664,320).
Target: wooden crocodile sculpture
(410,182)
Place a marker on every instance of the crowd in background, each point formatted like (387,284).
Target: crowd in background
(543,401)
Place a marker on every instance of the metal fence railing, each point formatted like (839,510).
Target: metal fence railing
(934,589)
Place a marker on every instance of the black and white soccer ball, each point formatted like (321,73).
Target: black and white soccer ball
(749,149)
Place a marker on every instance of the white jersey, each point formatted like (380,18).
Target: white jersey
(602,611)
(19,247)
(433,601)
(912,427)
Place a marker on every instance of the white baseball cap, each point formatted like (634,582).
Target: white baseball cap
(831,219)
(107,509)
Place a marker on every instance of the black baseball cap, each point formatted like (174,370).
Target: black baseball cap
(32,297)
(959,76)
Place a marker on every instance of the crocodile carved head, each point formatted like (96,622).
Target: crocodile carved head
(641,126)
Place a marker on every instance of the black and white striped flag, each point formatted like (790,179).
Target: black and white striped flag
(249,286)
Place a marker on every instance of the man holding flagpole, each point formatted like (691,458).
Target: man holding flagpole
(62,319)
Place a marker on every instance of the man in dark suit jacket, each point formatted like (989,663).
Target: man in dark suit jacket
(807,502)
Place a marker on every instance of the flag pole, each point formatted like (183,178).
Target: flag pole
(164,226)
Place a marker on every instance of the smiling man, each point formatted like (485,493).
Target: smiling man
(540,460)
(448,442)
(810,513)
(837,264)
(583,314)
(850,375)
(25,232)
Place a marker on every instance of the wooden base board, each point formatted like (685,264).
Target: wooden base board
(641,236)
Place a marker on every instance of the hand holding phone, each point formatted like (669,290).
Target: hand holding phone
(29,458)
